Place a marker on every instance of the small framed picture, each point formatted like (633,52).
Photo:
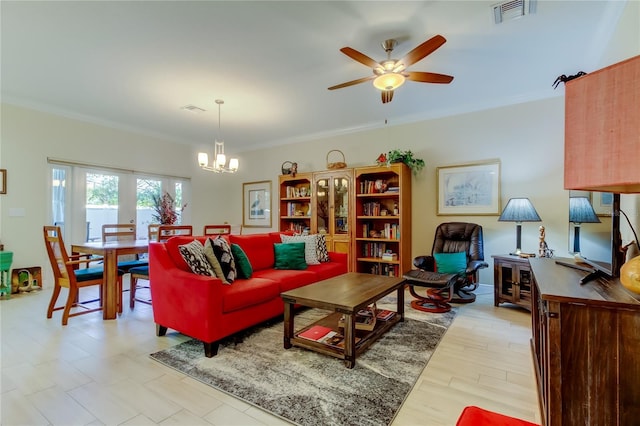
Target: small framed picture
(3,181)
(469,189)
(602,203)
(256,204)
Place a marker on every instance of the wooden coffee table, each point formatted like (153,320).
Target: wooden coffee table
(344,295)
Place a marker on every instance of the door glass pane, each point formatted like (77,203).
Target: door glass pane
(322,211)
(101,203)
(146,189)
(179,204)
(341,202)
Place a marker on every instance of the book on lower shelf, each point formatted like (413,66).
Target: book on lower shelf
(316,333)
(364,319)
(385,315)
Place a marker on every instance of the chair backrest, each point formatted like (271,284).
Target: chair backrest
(118,232)
(216,230)
(153,231)
(167,231)
(454,237)
(57,252)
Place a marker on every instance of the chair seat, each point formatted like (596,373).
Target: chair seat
(475,416)
(89,274)
(128,264)
(140,270)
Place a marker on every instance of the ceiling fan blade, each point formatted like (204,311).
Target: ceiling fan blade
(352,82)
(360,57)
(423,50)
(428,77)
(387,96)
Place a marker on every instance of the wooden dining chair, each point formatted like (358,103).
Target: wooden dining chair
(167,231)
(131,264)
(66,273)
(156,233)
(123,232)
(214,230)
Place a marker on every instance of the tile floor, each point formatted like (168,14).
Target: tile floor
(95,372)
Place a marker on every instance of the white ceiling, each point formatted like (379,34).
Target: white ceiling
(133,64)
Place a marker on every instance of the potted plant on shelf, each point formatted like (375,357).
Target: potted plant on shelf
(398,156)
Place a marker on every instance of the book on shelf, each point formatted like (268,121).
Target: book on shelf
(365,319)
(316,333)
(385,315)
(389,256)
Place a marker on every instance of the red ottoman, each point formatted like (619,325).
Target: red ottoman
(475,416)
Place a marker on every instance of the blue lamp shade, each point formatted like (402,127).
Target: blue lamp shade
(519,210)
(580,211)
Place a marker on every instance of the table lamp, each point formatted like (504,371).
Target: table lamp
(519,210)
(580,211)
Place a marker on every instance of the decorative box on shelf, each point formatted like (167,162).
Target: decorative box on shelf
(389,257)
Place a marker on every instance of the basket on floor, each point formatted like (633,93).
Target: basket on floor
(337,164)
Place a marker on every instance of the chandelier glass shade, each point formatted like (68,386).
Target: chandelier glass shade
(219,161)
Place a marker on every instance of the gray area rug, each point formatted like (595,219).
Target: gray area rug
(308,388)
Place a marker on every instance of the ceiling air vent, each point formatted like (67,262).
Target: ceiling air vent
(513,10)
(192,108)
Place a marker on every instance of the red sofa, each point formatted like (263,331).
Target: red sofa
(204,308)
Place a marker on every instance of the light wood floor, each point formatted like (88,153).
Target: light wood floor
(95,372)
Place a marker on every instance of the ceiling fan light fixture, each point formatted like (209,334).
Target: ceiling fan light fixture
(389,81)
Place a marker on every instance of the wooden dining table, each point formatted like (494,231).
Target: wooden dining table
(110,251)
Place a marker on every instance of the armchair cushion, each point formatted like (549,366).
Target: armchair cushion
(451,263)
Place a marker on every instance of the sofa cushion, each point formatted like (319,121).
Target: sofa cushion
(210,254)
(288,279)
(321,248)
(310,246)
(222,250)
(289,256)
(245,293)
(243,266)
(193,254)
(328,269)
(258,248)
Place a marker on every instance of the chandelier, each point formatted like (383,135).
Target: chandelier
(219,163)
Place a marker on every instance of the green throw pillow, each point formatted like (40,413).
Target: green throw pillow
(451,263)
(242,262)
(289,256)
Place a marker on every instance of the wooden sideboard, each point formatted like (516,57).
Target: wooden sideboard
(586,347)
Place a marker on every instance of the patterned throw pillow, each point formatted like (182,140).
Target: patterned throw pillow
(193,254)
(223,254)
(213,260)
(242,262)
(310,253)
(321,248)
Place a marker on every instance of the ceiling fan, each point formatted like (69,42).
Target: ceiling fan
(390,74)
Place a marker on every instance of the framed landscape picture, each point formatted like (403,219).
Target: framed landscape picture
(469,189)
(256,204)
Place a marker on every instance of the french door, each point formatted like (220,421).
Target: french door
(83,198)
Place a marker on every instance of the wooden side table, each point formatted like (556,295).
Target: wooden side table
(511,280)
